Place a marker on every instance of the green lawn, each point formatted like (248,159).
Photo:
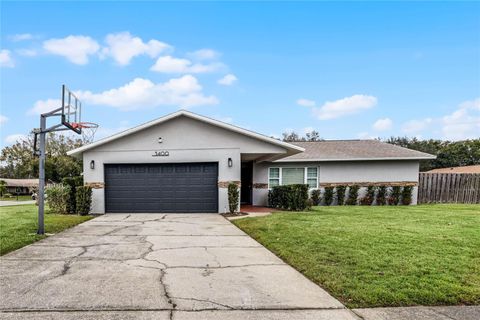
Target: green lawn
(381,256)
(14,198)
(18,225)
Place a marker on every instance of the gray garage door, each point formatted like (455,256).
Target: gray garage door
(169,188)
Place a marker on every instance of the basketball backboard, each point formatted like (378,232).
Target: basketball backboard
(71,110)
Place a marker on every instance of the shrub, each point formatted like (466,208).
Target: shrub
(328,195)
(381,195)
(233,196)
(394,196)
(315,197)
(73,183)
(7,195)
(340,190)
(83,200)
(407,195)
(352,195)
(57,198)
(367,200)
(291,197)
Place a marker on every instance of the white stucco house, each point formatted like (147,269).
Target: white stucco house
(183,162)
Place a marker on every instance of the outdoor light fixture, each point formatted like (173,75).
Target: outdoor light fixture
(230,162)
(92,164)
(160,140)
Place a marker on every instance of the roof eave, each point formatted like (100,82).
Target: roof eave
(358,159)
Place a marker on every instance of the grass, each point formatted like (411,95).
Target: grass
(14,198)
(18,225)
(381,256)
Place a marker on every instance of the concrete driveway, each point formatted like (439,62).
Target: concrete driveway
(157,266)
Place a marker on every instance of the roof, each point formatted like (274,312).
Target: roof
(463,169)
(353,150)
(227,126)
(20,182)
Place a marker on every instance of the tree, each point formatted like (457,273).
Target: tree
(3,187)
(17,161)
(449,153)
(309,136)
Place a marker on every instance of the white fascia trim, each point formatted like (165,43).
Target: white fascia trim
(192,115)
(358,159)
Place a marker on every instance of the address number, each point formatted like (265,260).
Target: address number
(160,154)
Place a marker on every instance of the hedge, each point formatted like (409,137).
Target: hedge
(83,200)
(291,197)
(233,196)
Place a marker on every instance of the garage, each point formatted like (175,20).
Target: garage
(165,187)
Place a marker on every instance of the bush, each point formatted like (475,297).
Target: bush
(57,198)
(328,196)
(291,197)
(407,195)
(83,200)
(352,195)
(394,196)
(7,195)
(367,200)
(315,197)
(340,190)
(233,195)
(73,183)
(381,196)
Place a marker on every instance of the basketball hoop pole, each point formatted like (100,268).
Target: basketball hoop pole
(41,176)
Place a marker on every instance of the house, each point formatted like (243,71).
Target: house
(20,186)
(462,169)
(183,162)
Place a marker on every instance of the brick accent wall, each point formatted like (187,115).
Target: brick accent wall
(95,185)
(224,184)
(367,184)
(260,186)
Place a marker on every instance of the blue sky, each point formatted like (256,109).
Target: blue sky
(347,70)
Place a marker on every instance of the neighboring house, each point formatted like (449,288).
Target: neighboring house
(183,162)
(464,169)
(20,186)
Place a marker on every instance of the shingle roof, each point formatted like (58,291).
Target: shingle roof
(464,169)
(20,182)
(353,150)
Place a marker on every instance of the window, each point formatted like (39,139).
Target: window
(286,176)
(293,176)
(312,177)
(273,177)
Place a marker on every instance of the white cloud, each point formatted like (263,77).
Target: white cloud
(76,49)
(13,138)
(383,124)
(143,93)
(122,47)
(20,37)
(42,106)
(6,59)
(344,107)
(3,119)
(305,102)
(228,80)
(365,136)
(169,64)
(463,123)
(204,54)
(416,126)
(27,52)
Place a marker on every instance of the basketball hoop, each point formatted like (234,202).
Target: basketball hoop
(88,130)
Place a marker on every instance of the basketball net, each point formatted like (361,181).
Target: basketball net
(88,130)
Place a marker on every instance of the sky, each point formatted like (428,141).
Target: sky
(347,70)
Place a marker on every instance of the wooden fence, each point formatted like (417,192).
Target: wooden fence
(448,188)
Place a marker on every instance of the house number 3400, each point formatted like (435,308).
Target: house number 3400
(160,154)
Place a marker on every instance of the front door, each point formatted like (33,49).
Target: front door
(247,179)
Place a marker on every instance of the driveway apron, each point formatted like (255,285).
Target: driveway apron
(157,266)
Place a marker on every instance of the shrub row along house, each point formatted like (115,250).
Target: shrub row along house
(184,162)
